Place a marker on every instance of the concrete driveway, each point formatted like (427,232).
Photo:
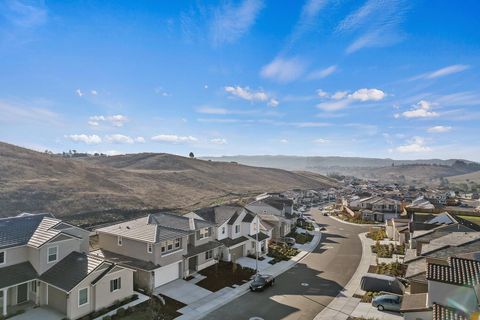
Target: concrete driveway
(40,313)
(183,291)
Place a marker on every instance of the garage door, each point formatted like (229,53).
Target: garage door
(237,252)
(166,274)
(57,299)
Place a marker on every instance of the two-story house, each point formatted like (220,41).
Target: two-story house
(161,247)
(277,212)
(45,262)
(237,228)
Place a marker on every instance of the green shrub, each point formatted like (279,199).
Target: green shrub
(121,312)
(107,318)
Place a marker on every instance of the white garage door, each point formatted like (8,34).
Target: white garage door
(166,274)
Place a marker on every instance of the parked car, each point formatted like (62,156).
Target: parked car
(290,241)
(387,302)
(261,281)
(378,282)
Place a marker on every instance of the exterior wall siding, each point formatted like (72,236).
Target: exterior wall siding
(104,297)
(15,255)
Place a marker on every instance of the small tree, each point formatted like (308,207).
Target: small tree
(191,155)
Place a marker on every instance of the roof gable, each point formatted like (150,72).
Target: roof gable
(17,231)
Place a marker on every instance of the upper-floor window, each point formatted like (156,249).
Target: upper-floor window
(170,245)
(82,297)
(208,255)
(119,240)
(237,228)
(115,284)
(2,257)
(149,247)
(52,254)
(223,230)
(203,233)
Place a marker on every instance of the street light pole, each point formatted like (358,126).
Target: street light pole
(256,247)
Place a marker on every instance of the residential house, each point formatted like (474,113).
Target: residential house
(277,212)
(45,262)
(237,228)
(161,247)
(398,229)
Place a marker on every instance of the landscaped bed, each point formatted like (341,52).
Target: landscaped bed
(151,309)
(356,220)
(377,234)
(300,238)
(281,252)
(395,269)
(367,297)
(224,274)
(387,250)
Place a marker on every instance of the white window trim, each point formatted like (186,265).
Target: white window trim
(119,241)
(120,287)
(88,297)
(4,257)
(168,253)
(48,254)
(149,247)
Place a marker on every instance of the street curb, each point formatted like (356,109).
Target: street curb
(355,224)
(244,288)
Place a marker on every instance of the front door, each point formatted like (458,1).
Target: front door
(22,293)
(192,264)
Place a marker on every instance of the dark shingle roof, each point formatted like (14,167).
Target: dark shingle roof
(446,313)
(233,218)
(175,221)
(261,236)
(248,217)
(459,271)
(231,242)
(194,250)
(17,273)
(218,214)
(122,260)
(16,231)
(72,269)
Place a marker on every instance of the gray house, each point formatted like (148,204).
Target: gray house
(161,247)
(45,262)
(236,229)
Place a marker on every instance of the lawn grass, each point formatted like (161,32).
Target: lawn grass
(224,274)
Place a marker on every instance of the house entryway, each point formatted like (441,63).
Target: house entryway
(22,293)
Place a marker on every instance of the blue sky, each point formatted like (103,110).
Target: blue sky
(369,78)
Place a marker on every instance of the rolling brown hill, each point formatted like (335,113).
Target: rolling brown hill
(101,189)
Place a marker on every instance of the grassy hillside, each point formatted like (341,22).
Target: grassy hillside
(106,188)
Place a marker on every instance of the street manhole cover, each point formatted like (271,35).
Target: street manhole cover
(304,284)
(255,318)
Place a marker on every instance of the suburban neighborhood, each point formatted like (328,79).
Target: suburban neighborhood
(418,258)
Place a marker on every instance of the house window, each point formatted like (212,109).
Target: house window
(203,233)
(119,240)
(2,257)
(149,247)
(170,245)
(208,255)
(115,284)
(82,297)
(52,254)
(237,228)
(223,230)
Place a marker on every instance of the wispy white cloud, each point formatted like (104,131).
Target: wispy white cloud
(378,23)
(273,102)
(115,120)
(341,99)
(311,124)
(322,73)
(24,14)
(88,139)
(415,145)
(422,109)
(321,141)
(231,22)
(212,110)
(283,69)
(307,20)
(439,129)
(246,93)
(456,68)
(219,141)
(172,138)
(284,140)
(20,113)
(123,139)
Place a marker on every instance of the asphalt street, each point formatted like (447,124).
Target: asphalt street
(307,288)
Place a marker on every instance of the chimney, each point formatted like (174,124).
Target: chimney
(191,223)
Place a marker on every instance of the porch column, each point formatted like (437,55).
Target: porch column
(4,302)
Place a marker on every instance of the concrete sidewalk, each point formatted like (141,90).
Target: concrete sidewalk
(344,303)
(215,300)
